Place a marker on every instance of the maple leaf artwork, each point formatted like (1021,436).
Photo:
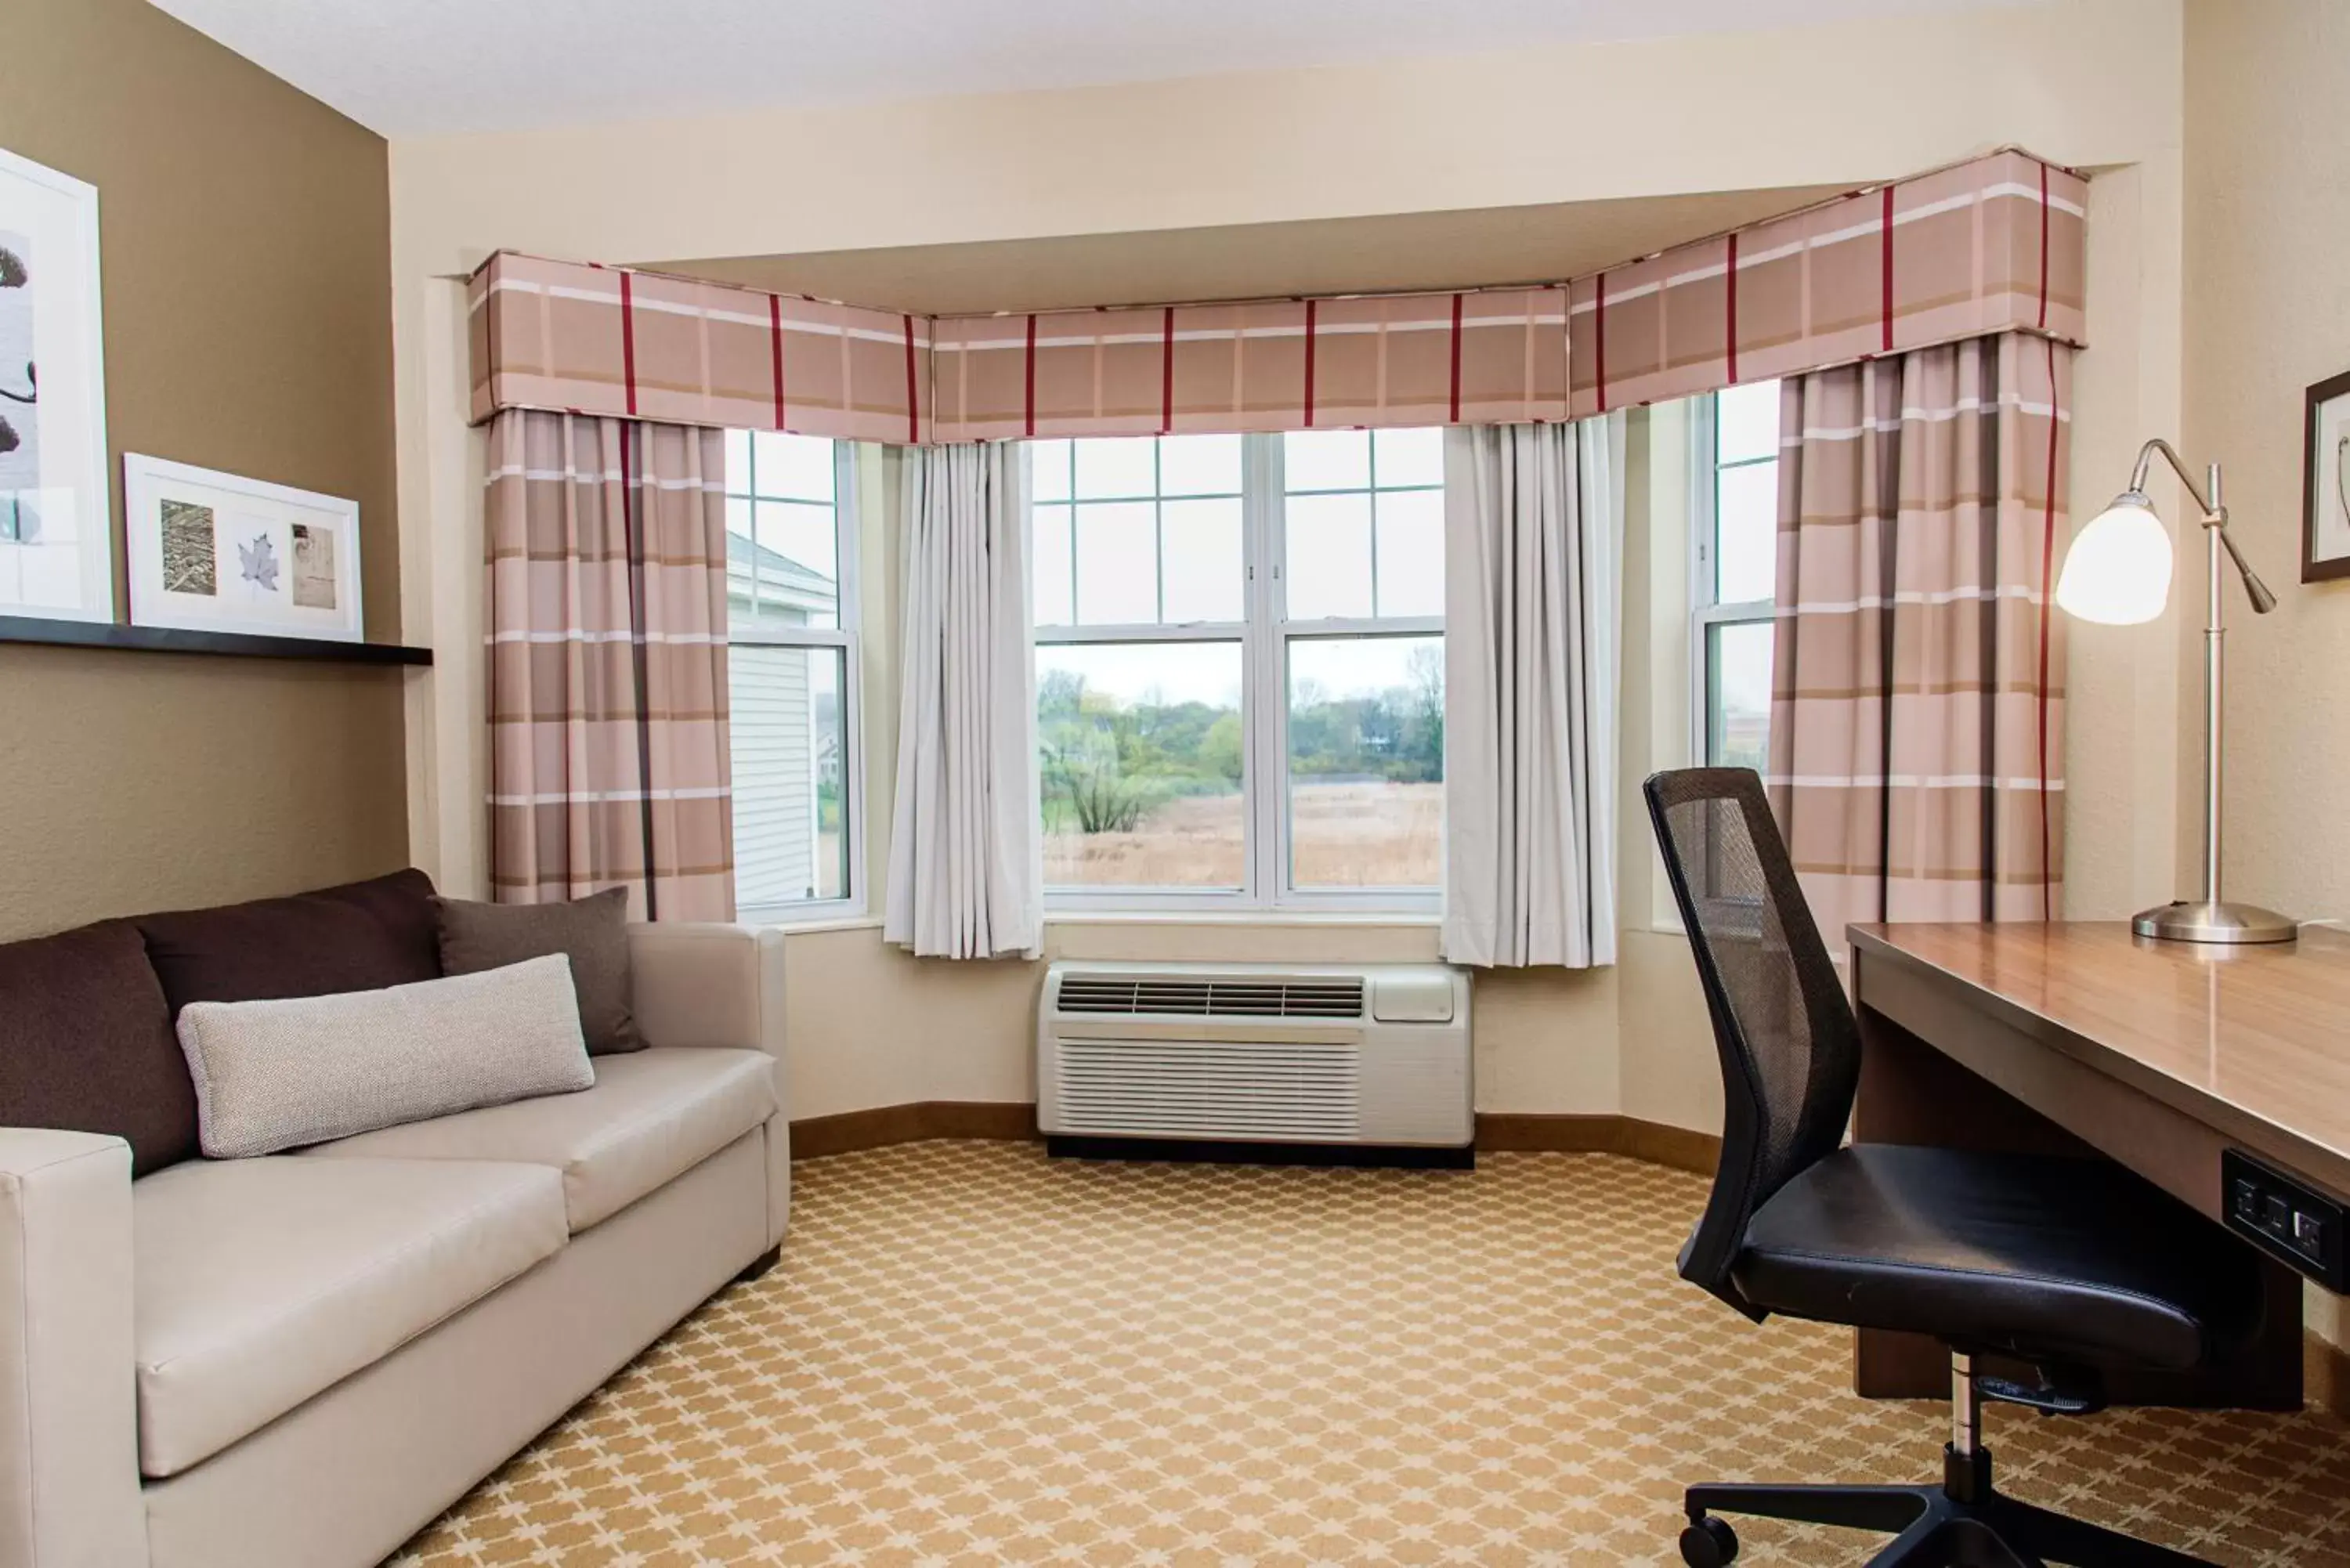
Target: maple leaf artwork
(258,563)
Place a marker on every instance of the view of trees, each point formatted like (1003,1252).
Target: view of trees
(1107,763)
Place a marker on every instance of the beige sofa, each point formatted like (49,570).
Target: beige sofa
(298,1361)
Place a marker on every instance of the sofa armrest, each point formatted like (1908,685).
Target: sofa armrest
(709,984)
(712,984)
(68,1396)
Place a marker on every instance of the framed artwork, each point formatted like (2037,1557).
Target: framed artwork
(57,538)
(2326,482)
(212,551)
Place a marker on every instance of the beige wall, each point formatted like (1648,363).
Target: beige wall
(2088,82)
(245,241)
(2268,291)
(873,1026)
(2268,227)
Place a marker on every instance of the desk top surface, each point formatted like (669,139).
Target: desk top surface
(2255,1038)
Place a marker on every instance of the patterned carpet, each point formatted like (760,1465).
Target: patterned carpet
(974,1356)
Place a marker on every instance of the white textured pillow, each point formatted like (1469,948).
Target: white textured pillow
(273,1076)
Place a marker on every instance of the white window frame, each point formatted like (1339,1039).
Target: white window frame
(846,517)
(1707,612)
(1265,636)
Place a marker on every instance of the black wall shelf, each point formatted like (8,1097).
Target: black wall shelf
(164,639)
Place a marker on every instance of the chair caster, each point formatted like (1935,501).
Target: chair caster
(1709,1542)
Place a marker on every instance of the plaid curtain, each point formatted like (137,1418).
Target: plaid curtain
(606,632)
(1917,688)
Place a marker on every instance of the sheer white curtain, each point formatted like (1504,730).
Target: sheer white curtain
(966,851)
(1534,535)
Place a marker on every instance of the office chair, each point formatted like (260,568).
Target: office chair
(2067,1265)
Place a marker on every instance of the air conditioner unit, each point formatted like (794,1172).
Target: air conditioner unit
(1371,1055)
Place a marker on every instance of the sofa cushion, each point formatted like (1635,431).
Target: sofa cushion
(592,932)
(86,1044)
(258,1283)
(363,936)
(273,1076)
(652,1115)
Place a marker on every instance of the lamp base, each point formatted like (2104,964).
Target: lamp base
(2199,920)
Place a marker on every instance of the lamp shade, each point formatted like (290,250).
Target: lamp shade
(2118,571)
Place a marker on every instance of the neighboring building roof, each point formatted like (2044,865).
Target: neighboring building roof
(782,581)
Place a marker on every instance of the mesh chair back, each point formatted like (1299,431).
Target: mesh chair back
(1790,1049)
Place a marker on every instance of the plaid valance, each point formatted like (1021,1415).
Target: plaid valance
(565,337)
(1995,245)
(1991,245)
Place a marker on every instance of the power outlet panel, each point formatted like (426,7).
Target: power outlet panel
(2286,1218)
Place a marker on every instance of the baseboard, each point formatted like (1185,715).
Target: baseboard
(2325,1374)
(1652,1141)
(1659,1143)
(886,1124)
(1011,1120)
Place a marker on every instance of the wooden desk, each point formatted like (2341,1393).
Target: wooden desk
(2083,1037)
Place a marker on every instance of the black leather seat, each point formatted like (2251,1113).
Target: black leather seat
(2070,1260)
(2070,1265)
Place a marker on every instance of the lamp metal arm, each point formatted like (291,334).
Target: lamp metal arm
(2215,516)
(2212,512)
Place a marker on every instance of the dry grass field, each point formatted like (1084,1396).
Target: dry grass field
(1343,835)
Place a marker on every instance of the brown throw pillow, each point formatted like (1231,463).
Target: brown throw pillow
(86,1044)
(592,932)
(363,936)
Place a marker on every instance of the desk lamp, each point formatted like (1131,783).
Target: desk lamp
(2118,574)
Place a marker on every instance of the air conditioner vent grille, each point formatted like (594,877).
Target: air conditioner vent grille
(1224,1089)
(1208,996)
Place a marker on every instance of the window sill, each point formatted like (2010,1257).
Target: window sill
(813,923)
(1410,919)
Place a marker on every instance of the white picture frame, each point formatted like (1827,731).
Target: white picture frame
(216,552)
(56,522)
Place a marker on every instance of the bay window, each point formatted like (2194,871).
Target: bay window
(1735,565)
(1240,667)
(791,602)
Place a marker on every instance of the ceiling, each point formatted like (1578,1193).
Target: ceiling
(1325,256)
(413,68)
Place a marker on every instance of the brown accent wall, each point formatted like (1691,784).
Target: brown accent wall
(245,234)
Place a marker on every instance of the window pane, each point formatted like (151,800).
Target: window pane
(1118,563)
(1199,547)
(742,563)
(738,462)
(1409,457)
(1366,762)
(792,558)
(795,467)
(1326,460)
(790,830)
(1139,752)
(1746,532)
(1048,469)
(1412,552)
(1737,694)
(1746,421)
(1052,582)
(1120,467)
(1200,465)
(1329,555)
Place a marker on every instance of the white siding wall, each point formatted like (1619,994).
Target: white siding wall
(775,776)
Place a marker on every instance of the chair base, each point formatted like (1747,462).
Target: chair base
(1962,1523)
